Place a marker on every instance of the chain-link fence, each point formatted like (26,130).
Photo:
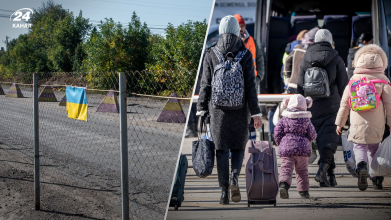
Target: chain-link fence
(80,161)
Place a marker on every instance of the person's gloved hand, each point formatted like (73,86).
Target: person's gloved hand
(202,113)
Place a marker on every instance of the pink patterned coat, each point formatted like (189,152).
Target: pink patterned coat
(294,137)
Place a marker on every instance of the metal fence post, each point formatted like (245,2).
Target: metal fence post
(124,146)
(36,145)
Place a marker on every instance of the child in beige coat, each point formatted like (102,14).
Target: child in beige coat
(367,127)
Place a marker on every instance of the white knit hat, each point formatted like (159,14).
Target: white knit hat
(324,35)
(229,25)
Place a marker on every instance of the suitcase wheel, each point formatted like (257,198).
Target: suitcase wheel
(176,207)
(274,204)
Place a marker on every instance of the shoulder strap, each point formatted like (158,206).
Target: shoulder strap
(379,81)
(240,55)
(373,81)
(219,55)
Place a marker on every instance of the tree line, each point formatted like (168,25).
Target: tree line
(59,41)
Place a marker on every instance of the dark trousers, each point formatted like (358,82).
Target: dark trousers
(193,117)
(222,160)
(327,156)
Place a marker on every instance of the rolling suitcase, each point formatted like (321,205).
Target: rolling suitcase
(179,185)
(261,172)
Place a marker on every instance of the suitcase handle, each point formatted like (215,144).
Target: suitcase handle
(251,125)
(259,161)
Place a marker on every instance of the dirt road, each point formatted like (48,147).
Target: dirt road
(80,161)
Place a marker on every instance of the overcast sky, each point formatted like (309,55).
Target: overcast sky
(156,13)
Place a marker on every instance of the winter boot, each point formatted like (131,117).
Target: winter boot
(284,190)
(362,174)
(332,180)
(304,194)
(377,182)
(234,186)
(321,177)
(224,200)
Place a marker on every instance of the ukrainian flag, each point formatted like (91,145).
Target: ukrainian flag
(77,103)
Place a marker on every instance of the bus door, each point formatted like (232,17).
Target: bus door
(261,36)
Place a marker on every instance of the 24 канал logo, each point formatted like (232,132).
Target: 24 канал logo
(21,17)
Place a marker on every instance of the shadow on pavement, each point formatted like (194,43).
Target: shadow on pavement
(68,214)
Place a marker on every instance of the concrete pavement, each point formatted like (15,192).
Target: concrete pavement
(342,202)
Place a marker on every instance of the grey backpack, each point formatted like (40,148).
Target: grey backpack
(228,82)
(316,83)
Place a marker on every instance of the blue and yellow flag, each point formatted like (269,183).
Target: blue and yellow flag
(77,103)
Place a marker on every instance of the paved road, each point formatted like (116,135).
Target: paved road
(87,154)
(342,202)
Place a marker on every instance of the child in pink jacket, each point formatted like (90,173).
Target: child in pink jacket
(293,135)
(367,127)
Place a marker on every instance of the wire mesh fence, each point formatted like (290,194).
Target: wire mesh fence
(80,161)
(16,132)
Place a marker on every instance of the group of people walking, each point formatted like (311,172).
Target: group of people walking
(304,119)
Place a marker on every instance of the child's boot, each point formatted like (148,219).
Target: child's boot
(362,174)
(377,182)
(284,190)
(304,194)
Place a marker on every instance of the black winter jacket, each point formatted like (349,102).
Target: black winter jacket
(325,56)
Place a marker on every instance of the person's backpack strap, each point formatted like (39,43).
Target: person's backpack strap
(379,81)
(219,55)
(240,55)
(373,81)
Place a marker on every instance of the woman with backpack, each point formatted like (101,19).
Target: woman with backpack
(366,120)
(324,110)
(229,102)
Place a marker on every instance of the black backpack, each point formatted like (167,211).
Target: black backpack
(316,82)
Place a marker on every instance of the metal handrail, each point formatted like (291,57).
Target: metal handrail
(262,98)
